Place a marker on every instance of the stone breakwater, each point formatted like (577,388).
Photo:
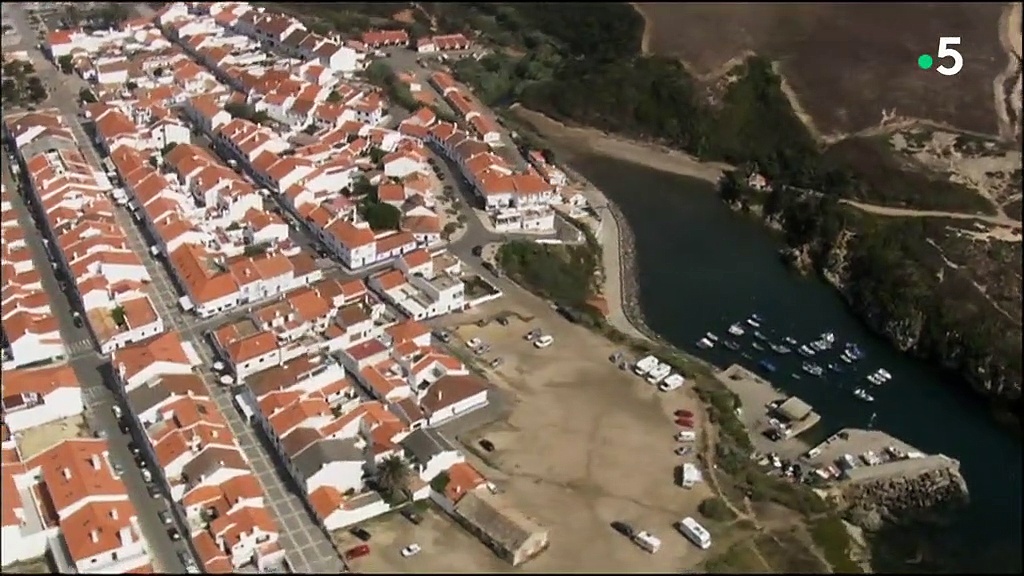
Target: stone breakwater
(926,494)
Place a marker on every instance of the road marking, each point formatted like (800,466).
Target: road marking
(79,346)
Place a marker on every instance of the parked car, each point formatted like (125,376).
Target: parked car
(503,320)
(134,449)
(544,341)
(443,336)
(411,550)
(474,343)
(411,516)
(532,335)
(147,476)
(116,410)
(683,450)
(487,445)
(360,533)
(118,469)
(173,534)
(684,422)
(154,491)
(684,414)
(482,349)
(623,528)
(357,552)
(496,362)
(165,517)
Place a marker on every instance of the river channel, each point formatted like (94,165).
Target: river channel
(702,267)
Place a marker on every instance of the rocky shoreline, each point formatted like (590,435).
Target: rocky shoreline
(926,496)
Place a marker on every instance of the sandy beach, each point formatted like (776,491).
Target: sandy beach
(620,285)
(650,155)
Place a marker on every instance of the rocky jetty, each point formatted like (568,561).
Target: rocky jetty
(926,491)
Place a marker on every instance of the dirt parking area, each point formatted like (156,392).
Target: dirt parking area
(35,440)
(446,546)
(585,445)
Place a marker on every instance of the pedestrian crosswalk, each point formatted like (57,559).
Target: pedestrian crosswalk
(80,346)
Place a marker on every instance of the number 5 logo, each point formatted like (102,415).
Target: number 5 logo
(946,52)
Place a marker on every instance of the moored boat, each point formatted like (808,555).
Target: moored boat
(790,341)
(736,330)
(731,345)
(705,344)
(758,346)
(760,336)
(754,321)
(863,395)
(767,366)
(806,350)
(812,369)
(779,349)
(711,336)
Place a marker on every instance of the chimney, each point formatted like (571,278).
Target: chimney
(94,535)
(96,461)
(67,473)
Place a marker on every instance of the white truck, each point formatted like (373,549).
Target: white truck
(647,541)
(645,365)
(694,532)
(672,382)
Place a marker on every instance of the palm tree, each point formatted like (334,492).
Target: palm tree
(393,476)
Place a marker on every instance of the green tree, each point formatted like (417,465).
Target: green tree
(361,188)
(382,216)
(118,316)
(240,110)
(66,64)
(393,477)
(334,96)
(86,96)
(377,155)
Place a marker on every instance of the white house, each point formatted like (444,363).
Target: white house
(32,398)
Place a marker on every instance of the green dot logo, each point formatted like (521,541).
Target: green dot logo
(924,62)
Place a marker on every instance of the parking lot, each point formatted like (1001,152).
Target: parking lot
(586,443)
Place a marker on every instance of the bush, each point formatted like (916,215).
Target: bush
(716,509)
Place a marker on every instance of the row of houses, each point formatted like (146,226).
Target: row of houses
(197,457)
(31,332)
(85,240)
(67,501)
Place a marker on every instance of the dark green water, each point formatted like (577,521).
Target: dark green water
(702,267)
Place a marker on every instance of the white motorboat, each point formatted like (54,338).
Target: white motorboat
(874,379)
(736,330)
(711,336)
(806,350)
(754,321)
(812,369)
(705,344)
(884,374)
(828,337)
(862,394)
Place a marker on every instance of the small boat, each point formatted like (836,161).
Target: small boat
(812,369)
(853,351)
(828,337)
(758,346)
(862,394)
(846,358)
(789,340)
(819,345)
(705,344)
(779,349)
(767,366)
(875,379)
(754,321)
(795,376)
(711,336)
(806,350)
(731,345)
(760,336)
(745,355)
(736,330)
(884,374)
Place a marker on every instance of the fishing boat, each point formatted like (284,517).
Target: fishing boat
(758,346)
(705,344)
(779,349)
(806,350)
(862,394)
(766,366)
(731,345)
(853,351)
(736,330)
(711,336)
(789,341)
(812,369)
(760,336)
(754,321)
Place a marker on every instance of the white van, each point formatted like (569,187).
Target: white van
(686,436)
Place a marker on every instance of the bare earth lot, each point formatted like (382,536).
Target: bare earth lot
(847,63)
(586,444)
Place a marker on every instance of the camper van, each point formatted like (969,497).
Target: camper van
(694,532)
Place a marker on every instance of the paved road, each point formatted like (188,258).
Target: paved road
(87,364)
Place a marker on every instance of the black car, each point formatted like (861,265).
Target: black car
(478,250)
(123,426)
(78,321)
(623,528)
(412,516)
(487,445)
(360,533)
(173,534)
(134,449)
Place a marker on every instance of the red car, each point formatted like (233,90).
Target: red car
(357,552)
(684,422)
(684,414)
